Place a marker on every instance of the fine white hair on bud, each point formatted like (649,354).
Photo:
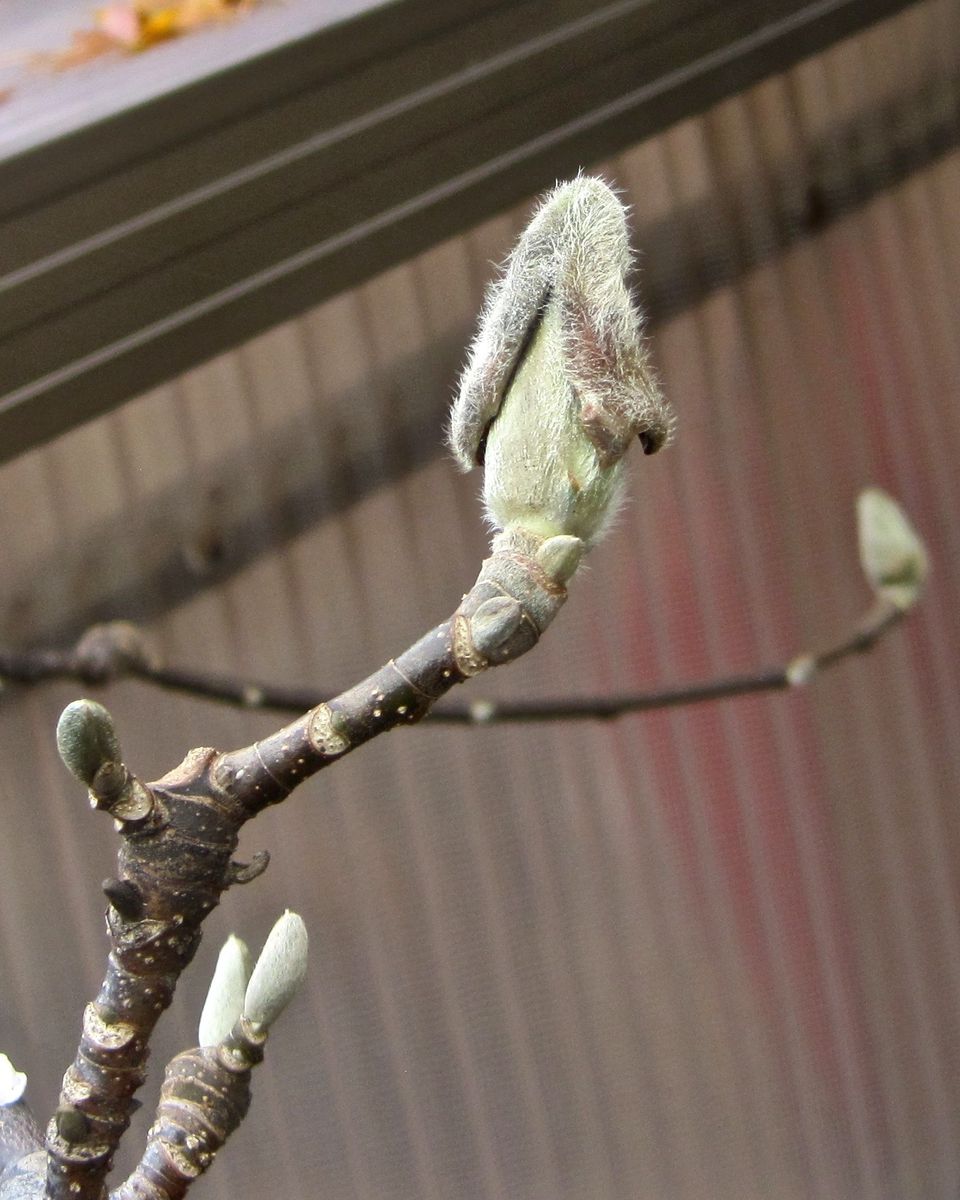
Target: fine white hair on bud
(279,971)
(13,1083)
(224,1002)
(558,383)
(892,554)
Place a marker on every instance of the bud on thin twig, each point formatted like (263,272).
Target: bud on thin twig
(892,555)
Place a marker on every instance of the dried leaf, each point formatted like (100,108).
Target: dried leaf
(85,45)
(121,23)
(129,28)
(192,13)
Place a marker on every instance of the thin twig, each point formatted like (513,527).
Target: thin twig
(30,667)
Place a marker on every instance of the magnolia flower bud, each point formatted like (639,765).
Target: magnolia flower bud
(558,382)
(13,1083)
(279,971)
(891,553)
(224,1001)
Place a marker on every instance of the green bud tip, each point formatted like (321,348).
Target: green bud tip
(224,1002)
(12,1082)
(893,557)
(279,971)
(86,739)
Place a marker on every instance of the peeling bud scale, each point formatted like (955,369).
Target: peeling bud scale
(558,384)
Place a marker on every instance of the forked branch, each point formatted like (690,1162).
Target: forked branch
(180,833)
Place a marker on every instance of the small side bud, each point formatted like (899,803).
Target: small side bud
(492,625)
(279,971)
(801,670)
(125,897)
(892,555)
(560,556)
(86,739)
(13,1083)
(72,1124)
(224,1001)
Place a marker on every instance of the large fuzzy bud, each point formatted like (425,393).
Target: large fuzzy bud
(558,383)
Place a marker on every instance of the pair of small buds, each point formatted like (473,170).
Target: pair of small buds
(256,994)
(558,384)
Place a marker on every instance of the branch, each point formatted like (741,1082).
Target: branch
(206,1091)
(244,693)
(594,395)
(179,834)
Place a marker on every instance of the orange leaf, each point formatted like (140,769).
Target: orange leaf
(85,45)
(138,25)
(158,26)
(121,23)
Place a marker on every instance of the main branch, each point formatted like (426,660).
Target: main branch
(180,833)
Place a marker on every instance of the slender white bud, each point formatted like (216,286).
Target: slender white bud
(558,383)
(13,1083)
(892,555)
(279,971)
(224,1002)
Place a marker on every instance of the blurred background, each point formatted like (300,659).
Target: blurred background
(700,954)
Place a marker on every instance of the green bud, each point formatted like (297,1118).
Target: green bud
(892,555)
(224,1002)
(560,556)
(279,971)
(86,739)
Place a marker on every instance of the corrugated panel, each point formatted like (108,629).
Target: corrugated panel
(709,953)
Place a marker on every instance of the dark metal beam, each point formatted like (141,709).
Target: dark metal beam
(135,247)
(195,543)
